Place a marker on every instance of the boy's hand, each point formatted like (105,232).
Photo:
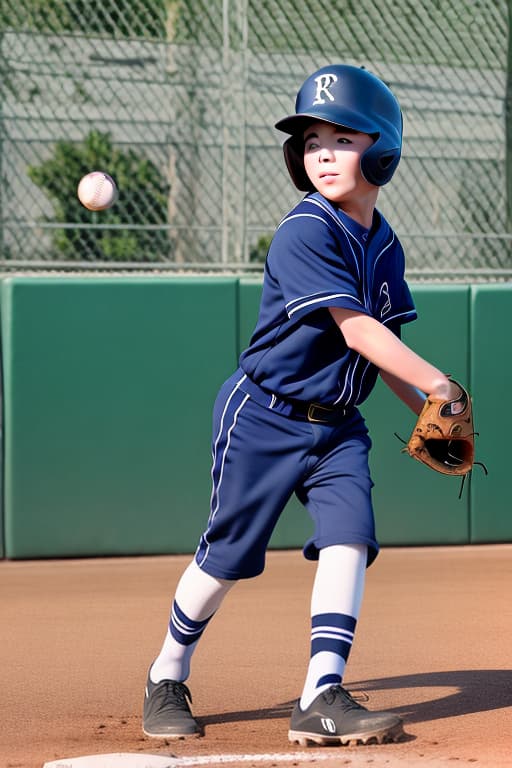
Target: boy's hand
(446,389)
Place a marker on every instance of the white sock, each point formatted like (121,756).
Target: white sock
(335,605)
(198,596)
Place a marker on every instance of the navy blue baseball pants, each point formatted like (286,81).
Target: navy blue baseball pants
(260,458)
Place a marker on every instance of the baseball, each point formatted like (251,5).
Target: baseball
(97,191)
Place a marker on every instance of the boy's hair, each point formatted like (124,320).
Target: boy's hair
(354,98)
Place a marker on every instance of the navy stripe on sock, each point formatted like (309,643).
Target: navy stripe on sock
(184,630)
(340,647)
(332,632)
(329,680)
(338,620)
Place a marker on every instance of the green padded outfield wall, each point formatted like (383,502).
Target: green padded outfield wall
(109,387)
(491,378)
(108,392)
(414,505)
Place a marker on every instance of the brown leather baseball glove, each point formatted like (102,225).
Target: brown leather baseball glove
(443,437)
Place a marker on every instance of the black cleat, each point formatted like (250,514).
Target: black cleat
(334,717)
(167,712)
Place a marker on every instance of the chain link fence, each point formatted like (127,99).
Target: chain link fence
(177,100)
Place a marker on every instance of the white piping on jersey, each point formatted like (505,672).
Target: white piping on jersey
(323,297)
(306,301)
(350,374)
(336,221)
(273,400)
(319,218)
(219,433)
(348,234)
(354,365)
(223,460)
(399,314)
(346,231)
(361,379)
(335,218)
(349,382)
(301,216)
(216,488)
(383,251)
(378,257)
(301,298)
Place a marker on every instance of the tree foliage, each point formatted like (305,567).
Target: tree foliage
(258,251)
(143,196)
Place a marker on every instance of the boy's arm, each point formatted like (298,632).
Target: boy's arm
(381,347)
(408,394)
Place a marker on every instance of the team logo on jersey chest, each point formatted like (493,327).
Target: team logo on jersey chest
(323,83)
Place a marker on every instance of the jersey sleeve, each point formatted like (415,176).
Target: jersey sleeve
(312,269)
(408,312)
(399,301)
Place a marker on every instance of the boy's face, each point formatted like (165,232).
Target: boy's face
(332,160)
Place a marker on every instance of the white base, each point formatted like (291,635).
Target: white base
(117,760)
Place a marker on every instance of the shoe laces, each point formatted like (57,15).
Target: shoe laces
(176,693)
(346,700)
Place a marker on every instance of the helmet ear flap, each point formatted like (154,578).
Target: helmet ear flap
(378,167)
(293,150)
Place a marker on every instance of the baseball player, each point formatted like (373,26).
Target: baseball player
(287,421)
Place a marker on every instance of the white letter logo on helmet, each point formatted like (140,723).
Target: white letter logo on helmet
(323,83)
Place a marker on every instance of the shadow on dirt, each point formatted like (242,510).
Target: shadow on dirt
(470,691)
(473,690)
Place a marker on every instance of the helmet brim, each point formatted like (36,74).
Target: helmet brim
(296,124)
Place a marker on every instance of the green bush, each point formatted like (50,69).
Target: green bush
(122,234)
(258,252)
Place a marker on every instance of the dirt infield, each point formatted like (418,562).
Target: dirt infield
(433,643)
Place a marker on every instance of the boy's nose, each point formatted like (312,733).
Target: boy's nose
(325,155)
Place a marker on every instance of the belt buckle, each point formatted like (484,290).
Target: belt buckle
(318,419)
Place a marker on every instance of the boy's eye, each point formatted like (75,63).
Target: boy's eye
(344,140)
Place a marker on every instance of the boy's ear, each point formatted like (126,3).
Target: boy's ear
(293,150)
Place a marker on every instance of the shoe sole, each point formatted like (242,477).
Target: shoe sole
(378,736)
(172,736)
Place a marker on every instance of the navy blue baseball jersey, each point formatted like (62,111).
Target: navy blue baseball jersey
(320,257)
(265,447)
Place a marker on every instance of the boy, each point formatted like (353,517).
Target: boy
(334,298)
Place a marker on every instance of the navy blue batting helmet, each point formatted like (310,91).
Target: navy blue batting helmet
(351,97)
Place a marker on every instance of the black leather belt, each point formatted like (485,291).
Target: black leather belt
(324,414)
(315,413)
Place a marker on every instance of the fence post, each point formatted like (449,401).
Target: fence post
(508,120)
(3,78)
